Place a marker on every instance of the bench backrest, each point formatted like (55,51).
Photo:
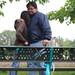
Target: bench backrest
(22,53)
(25,53)
(64,54)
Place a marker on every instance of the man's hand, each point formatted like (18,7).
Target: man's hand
(45,42)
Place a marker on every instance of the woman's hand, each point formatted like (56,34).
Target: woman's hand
(26,43)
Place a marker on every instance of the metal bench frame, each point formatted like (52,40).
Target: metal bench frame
(45,54)
(21,53)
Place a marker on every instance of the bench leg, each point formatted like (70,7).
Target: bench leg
(48,71)
(48,66)
(13,73)
(16,65)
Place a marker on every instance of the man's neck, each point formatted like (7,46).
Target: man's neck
(33,14)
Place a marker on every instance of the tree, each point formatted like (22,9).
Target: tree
(6,37)
(3,2)
(67,43)
(67,12)
(64,13)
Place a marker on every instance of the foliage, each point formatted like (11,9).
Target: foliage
(65,42)
(6,38)
(1,13)
(3,2)
(58,15)
(69,43)
(40,1)
(60,41)
(64,13)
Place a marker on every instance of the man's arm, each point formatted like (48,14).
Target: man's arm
(46,29)
(45,26)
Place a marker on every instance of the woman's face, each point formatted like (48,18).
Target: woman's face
(32,10)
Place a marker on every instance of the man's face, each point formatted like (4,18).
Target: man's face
(32,10)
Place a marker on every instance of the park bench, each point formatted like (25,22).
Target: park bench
(22,53)
(40,54)
(64,58)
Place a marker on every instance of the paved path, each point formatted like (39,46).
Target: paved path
(23,64)
(64,64)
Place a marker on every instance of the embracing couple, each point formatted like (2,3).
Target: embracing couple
(32,29)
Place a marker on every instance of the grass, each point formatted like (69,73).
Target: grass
(3,73)
(55,73)
(7,73)
(64,73)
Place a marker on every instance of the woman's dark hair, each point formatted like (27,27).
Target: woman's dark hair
(25,16)
(32,4)
(15,24)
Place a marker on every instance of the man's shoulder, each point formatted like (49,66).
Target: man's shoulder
(40,15)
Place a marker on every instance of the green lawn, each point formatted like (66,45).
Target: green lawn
(55,73)
(3,73)
(64,73)
(7,73)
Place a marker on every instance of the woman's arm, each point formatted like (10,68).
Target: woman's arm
(19,30)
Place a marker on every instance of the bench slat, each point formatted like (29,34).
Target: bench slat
(22,69)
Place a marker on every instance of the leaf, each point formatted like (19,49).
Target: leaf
(17,0)
(1,13)
(11,1)
(2,3)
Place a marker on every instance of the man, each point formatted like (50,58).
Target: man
(39,32)
(39,28)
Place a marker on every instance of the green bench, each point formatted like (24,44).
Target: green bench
(40,54)
(21,53)
(64,58)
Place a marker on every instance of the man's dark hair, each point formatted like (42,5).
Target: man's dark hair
(26,17)
(32,4)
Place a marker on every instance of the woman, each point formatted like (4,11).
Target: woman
(21,35)
(21,29)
